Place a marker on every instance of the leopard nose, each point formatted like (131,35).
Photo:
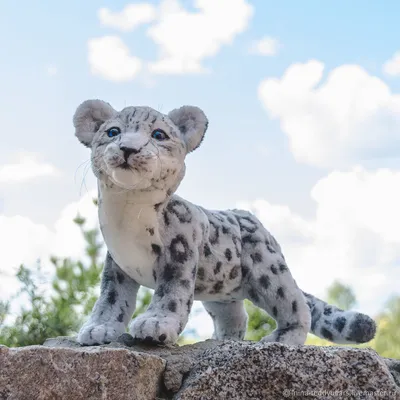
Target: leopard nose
(127,151)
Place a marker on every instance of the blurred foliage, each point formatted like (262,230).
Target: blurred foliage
(341,296)
(259,324)
(75,288)
(387,339)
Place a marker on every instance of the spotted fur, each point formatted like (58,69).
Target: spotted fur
(183,251)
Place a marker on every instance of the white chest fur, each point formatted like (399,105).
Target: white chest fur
(129,230)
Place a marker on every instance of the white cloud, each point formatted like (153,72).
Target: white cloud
(52,70)
(129,18)
(354,236)
(110,58)
(351,116)
(26,167)
(392,66)
(186,38)
(266,46)
(24,242)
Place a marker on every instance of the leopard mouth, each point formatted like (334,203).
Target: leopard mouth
(125,166)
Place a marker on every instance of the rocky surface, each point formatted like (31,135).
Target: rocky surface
(61,369)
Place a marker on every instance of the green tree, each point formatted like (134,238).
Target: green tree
(341,295)
(387,339)
(259,324)
(75,288)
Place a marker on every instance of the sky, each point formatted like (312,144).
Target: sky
(303,100)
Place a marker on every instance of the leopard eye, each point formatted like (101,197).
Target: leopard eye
(114,131)
(159,134)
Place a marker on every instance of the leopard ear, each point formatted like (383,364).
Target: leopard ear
(192,123)
(88,118)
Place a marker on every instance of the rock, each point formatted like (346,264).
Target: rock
(275,371)
(44,373)
(62,369)
(394,367)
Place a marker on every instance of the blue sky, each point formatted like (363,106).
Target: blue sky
(249,154)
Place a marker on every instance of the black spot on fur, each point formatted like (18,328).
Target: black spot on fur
(160,291)
(154,275)
(236,242)
(247,224)
(294,306)
(245,270)
(231,221)
(185,283)
(250,239)
(217,268)
(199,288)
(256,257)
(340,323)
(271,249)
(189,304)
(112,296)
(172,306)
(126,303)
(201,273)
(214,233)
(328,310)
(280,293)
(274,311)
(151,231)
(253,295)
(180,210)
(315,316)
(234,272)
(177,254)
(225,230)
(171,271)
(120,317)
(166,218)
(217,287)
(183,129)
(120,277)
(265,281)
(157,206)
(207,250)
(274,269)
(162,337)
(282,266)
(228,254)
(156,249)
(327,334)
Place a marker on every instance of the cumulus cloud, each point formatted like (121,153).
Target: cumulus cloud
(392,66)
(186,38)
(266,46)
(26,166)
(110,58)
(132,16)
(350,116)
(353,236)
(24,241)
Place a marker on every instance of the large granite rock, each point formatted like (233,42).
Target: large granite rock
(61,369)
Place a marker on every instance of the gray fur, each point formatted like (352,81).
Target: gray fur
(183,251)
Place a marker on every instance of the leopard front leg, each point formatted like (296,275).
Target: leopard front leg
(169,309)
(113,309)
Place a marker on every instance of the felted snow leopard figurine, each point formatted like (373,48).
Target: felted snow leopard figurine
(184,252)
